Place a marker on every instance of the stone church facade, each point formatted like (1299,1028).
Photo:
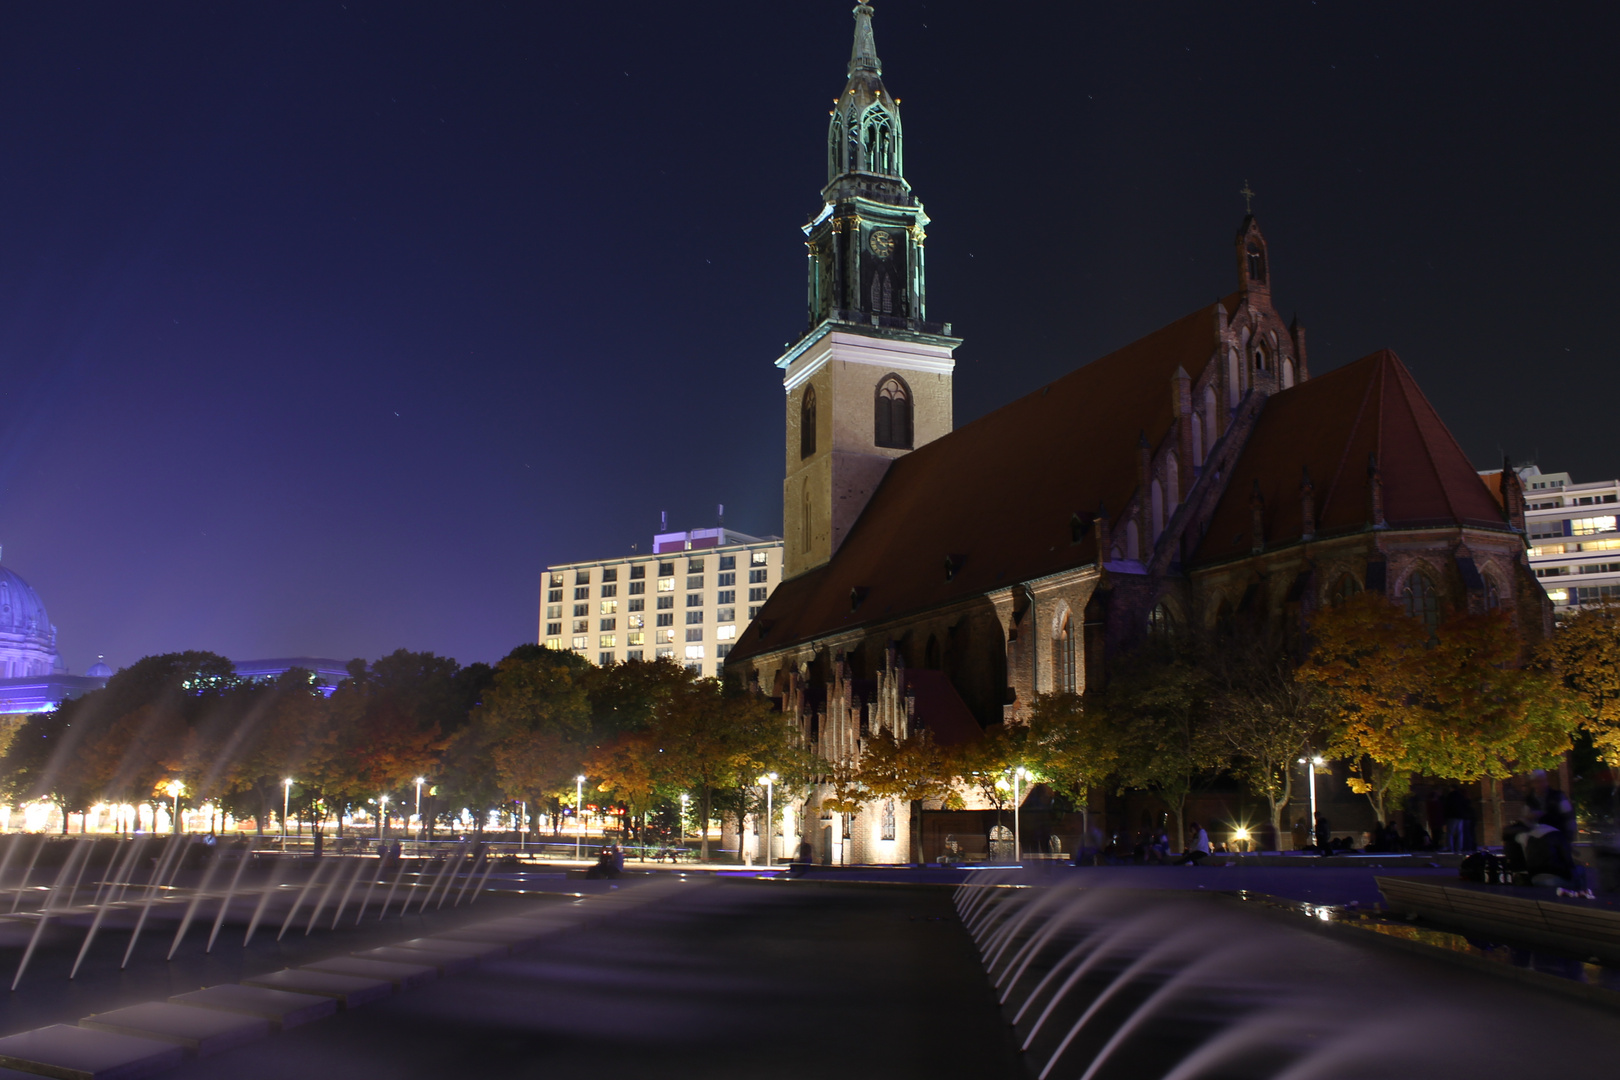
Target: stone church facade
(944,577)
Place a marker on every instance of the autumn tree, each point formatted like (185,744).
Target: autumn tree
(1263,713)
(1070,748)
(1585,654)
(1157,711)
(1452,702)
(911,771)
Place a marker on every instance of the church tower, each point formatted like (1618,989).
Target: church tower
(870,379)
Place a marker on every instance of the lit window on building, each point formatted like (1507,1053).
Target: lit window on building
(554,643)
(760,558)
(635,637)
(665,654)
(608,641)
(725,633)
(1588,526)
(1558,596)
(581,625)
(694,652)
(610,607)
(635,622)
(1555,549)
(1595,545)
(666,584)
(581,642)
(556,582)
(664,637)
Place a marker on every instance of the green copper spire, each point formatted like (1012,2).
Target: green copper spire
(863,57)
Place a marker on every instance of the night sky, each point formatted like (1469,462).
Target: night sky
(326,326)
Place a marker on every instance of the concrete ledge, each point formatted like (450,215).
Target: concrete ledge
(446,963)
(478,950)
(282,1008)
(403,976)
(76,1053)
(349,991)
(201,1031)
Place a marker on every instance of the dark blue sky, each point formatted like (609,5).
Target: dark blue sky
(325,326)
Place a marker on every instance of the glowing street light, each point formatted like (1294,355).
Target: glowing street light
(174,788)
(418,808)
(1019,773)
(1314,762)
(579,820)
(286,797)
(684,799)
(769,780)
(382,815)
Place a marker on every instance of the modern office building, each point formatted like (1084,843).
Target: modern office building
(1574,539)
(688,600)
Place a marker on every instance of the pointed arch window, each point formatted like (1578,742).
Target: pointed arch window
(835,147)
(878,136)
(1068,679)
(1161,623)
(1257,262)
(1209,422)
(1157,509)
(807,423)
(804,517)
(1287,373)
(1422,600)
(1231,379)
(1493,595)
(891,419)
(1343,589)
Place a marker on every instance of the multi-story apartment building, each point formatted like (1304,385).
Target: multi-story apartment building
(1574,534)
(688,601)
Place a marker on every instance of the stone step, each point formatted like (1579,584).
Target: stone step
(76,1053)
(201,1031)
(403,976)
(282,1008)
(349,991)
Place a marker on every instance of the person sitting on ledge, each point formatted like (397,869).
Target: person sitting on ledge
(1198,850)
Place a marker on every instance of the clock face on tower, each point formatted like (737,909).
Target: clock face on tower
(881,242)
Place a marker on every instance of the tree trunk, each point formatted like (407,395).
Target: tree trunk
(915,827)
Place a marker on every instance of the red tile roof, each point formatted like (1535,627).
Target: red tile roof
(996,495)
(1330,425)
(940,708)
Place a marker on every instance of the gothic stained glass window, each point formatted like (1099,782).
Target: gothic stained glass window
(1343,589)
(892,414)
(807,422)
(1421,600)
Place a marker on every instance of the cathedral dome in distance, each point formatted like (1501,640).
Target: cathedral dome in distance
(27,638)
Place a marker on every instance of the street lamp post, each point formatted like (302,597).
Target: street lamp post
(382,816)
(286,797)
(1018,836)
(684,798)
(579,820)
(419,809)
(175,788)
(1311,764)
(769,780)
(523,821)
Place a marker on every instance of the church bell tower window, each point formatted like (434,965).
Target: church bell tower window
(879,141)
(892,415)
(1257,262)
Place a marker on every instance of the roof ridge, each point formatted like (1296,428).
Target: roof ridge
(1409,388)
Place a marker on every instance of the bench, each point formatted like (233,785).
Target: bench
(1506,914)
